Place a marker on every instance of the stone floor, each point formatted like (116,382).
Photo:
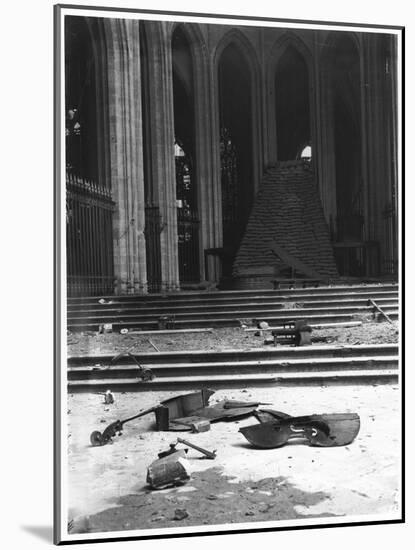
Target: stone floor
(107,488)
(370,332)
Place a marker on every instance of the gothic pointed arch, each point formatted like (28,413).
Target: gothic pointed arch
(185,157)
(238,38)
(290,77)
(340,62)
(289,40)
(238,92)
(89,227)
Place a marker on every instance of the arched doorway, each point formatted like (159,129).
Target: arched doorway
(185,160)
(292,105)
(80,99)
(89,208)
(235,101)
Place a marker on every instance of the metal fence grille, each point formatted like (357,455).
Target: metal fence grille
(153,254)
(89,244)
(390,262)
(188,245)
(357,259)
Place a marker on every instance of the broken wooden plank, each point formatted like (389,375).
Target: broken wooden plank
(294,262)
(374,304)
(169,331)
(153,345)
(316,326)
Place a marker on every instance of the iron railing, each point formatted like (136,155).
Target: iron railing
(153,254)
(390,261)
(357,259)
(188,245)
(89,243)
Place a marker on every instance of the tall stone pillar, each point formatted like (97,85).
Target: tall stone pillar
(126,155)
(366,121)
(161,134)
(380,172)
(207,159)
(395,168)
(324,152)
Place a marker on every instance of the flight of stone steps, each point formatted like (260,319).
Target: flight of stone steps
(283,365)
(322,304)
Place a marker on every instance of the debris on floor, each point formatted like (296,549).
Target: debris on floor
(205,452)
(168,471)
(144,373)
(189,412)
(380,310)
(99,439)
(297,333)
(153,345)
(180,514)
(105,328)
(319,430)
(368,332)
(113,494)
(108,398)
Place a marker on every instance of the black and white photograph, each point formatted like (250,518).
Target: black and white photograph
(228,220)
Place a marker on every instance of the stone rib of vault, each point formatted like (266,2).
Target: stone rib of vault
(287,229)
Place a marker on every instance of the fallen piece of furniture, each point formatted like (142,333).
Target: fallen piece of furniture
(189,412)
(297,333)
(320,430)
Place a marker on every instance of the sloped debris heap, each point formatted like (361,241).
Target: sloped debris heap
(287,230)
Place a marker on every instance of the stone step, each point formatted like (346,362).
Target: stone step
(85,325)
(225,294)
(207,299)
(279,353)
(239,381)
(160,309)
(276,310)
(236,368)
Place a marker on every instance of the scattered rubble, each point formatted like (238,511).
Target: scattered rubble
(169,471)
(189,412)
(108,398)
(180,514)
(368,332)
(105,328)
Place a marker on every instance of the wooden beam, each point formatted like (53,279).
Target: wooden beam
(316,326)
(374,304)
(169,331)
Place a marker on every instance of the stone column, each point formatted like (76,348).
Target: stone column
(126,157)
(379,144)
(215,191)
(325,153)
(366,120)
(161,122)
(271,118)
(315,113)
(395,168)
(207,169)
